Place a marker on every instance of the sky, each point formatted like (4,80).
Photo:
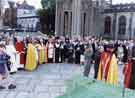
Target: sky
(123,1)
(37,3)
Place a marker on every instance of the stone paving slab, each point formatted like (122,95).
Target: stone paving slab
(11,95)
(43,95)
(48,81)
(3,94)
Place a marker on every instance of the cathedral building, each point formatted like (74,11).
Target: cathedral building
(80,18)
(119,21)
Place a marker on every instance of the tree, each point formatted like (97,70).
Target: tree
(47,16)
(43,19)
(48,4)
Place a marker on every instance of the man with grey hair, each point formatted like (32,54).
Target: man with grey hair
(88,59)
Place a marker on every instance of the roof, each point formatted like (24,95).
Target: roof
(25,5)
(120,8)
(36,16)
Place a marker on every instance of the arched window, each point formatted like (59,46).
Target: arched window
(107,25)
(122,25)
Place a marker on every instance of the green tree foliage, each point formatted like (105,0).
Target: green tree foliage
(48,4)
(47,16)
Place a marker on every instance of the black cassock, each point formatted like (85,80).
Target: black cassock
(70,53)
(82,49)
(77,53)
(116,45)
(62,52)
(66,50)
(94,50)
(133,51)
(125,57)
(57,52)
(97,57)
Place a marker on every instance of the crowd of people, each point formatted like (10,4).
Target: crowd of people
(26,53)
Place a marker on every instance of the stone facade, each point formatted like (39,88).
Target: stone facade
(27,19)
(121,29)
(79,18)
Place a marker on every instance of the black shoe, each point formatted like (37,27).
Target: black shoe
(20,69)
(11,86)
(12,73)
(2,87)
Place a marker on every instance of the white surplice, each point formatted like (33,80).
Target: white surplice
(11,51)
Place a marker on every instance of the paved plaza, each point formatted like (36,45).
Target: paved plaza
(48,81)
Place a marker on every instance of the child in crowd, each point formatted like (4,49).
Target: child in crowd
(4,73)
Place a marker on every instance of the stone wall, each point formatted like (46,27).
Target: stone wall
(78,18)
(130,25)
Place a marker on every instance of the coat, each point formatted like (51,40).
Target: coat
(88,55)
(4,58)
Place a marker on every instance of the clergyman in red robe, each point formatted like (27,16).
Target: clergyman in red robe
(20,48)
(104,66)
(127,73)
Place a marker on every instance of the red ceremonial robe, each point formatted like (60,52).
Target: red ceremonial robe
(107,66)
(104,66)
(127,73)
(20,48)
